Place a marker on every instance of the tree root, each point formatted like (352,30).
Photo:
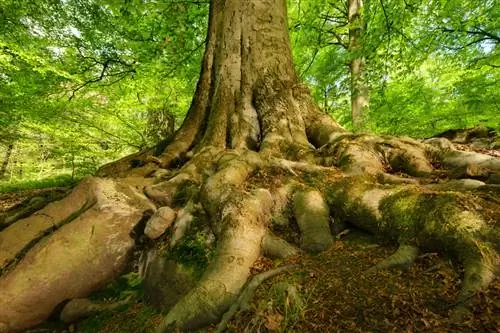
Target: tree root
(18,237)
(81,257)
(29,206)
(237,249)
(240,194)
(433,221)
(313,218)
(277,248)
(80,308)
(247,293)
(403,258)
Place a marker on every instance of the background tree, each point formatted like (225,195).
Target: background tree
(402,39)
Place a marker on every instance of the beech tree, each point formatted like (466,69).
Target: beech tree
(254,149)
(359,89)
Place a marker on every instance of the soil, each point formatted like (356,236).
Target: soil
(339,295)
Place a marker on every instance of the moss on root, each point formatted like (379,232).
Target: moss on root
(194,251)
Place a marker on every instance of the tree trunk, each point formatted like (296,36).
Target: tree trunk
(254,149)
(6,160)
(359,90)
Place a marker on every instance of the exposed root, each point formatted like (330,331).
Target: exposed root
(403,258)
(193,172)
(183,222)
(81,257)
(245,217)
(387,178)
(432,221)
(17,238)
(248,292)
(80,308)
(224,187)
(313,217)
(463,159)
(29,206)
(165,281)
(361,154)
(277,248)
(457,185)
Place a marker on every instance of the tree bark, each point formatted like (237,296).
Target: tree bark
(360,100)
(6,160)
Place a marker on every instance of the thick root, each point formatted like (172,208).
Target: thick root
(238,248)
(313,217)
(277,248)
(18,237)
(79,258)
(79,308)
(432,221)
(403,258)
(29,206)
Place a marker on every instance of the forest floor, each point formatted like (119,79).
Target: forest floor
(328,292)
(331,292)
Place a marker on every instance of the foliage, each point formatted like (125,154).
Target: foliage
(120,288)
(428,63)
(86,80)
(83,82)
(61,180)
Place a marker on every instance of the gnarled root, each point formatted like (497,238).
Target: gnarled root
(239,245)
(239,193)
(313,217)
(432,221)
(81,257)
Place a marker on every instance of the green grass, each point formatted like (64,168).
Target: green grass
(62,180)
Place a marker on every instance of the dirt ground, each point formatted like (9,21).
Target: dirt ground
(339,295)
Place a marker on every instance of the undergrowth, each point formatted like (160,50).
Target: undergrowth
(63,180)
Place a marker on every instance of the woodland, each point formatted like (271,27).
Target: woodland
(249,166)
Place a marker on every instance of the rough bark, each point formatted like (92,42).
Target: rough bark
(253,157)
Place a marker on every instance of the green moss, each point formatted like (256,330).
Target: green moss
(345,160)
(128,319)
(312,179)
(120,288)
(343,196)
(63,180)
(434,222)
(194,250)
(399,218)
(185,193)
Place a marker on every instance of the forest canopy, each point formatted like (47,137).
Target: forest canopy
(84,82)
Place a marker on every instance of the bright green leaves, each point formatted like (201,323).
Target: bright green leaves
(430,65)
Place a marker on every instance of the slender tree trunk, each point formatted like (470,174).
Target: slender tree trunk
(359,89)
(6,160)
